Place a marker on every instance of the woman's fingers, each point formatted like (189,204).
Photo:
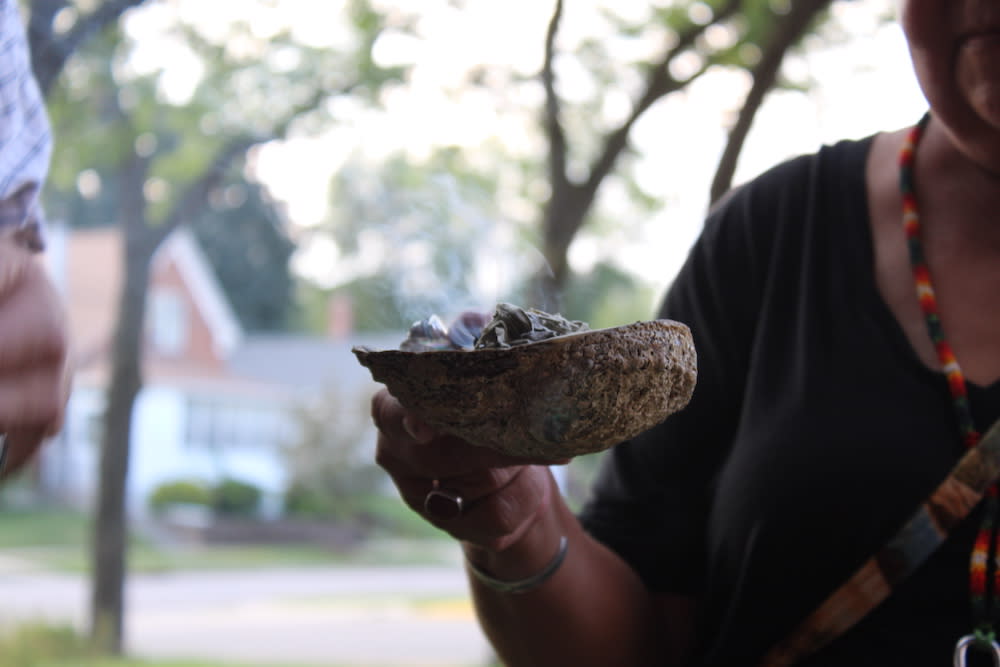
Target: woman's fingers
(498,519)
(490,497)
(494,509)
(472,487)
(407,441)
(388,415)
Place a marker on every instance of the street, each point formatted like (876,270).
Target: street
(351,616)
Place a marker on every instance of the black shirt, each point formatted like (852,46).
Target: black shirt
(814,432)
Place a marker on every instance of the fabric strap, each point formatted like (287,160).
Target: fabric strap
(872,583)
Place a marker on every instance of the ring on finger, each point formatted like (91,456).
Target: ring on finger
(443,504)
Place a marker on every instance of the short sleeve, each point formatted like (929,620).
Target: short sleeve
(25,136)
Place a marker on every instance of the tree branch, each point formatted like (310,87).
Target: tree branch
(197,192)
(553,127)
(568,205)
(42,42)
(788,31)
(311,104)
(50,53)
(658,84)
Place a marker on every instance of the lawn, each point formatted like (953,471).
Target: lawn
(39,645)
(58,539)
(42,528)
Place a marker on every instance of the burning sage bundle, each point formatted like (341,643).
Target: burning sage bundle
(510,326)
(530,383)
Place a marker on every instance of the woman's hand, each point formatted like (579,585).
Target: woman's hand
(34,376)
(592,609)
(501,497)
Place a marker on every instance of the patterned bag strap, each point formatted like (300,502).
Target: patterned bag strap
(872,583)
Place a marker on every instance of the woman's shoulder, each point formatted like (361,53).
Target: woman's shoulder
(809,188)
(802,175)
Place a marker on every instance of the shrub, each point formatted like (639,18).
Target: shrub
(180,492)
(306,501)
(389,515)
(234,497)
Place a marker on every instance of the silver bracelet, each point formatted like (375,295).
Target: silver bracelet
(528,583)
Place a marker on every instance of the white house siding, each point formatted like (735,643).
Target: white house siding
(238,436)
(157,447)
(242,441)
(161,449)
(69,461)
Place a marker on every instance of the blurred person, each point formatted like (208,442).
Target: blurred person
(845,307)
(34,376)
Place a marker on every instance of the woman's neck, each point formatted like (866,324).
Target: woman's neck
(958,203)
(957,194)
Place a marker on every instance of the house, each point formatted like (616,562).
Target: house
(216,401)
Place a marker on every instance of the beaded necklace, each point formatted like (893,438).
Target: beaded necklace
(986,539)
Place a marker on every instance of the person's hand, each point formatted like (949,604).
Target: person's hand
(500,496)
(34,374)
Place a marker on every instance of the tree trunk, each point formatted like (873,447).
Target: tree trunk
(563,216)
(140,241)
(111,526)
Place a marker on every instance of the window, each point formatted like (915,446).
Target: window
(168,321)
(218,423)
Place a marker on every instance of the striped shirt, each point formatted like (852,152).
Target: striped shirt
(25,137)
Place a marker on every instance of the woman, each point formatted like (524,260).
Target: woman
(824,415)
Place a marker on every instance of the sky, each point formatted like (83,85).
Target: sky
(863,86)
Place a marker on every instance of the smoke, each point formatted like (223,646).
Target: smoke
(447,251)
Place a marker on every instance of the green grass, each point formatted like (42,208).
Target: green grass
(41,645)
(59,540)
(147,558)
(43,528)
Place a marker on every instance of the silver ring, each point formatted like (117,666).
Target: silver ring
(443,504)
(977,642)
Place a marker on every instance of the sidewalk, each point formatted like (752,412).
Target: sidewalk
(351,616)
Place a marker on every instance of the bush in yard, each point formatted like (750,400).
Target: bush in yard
(308,502)
(180,492)
(330,458)
(234,497)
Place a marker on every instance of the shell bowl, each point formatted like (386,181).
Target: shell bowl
(552,399)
